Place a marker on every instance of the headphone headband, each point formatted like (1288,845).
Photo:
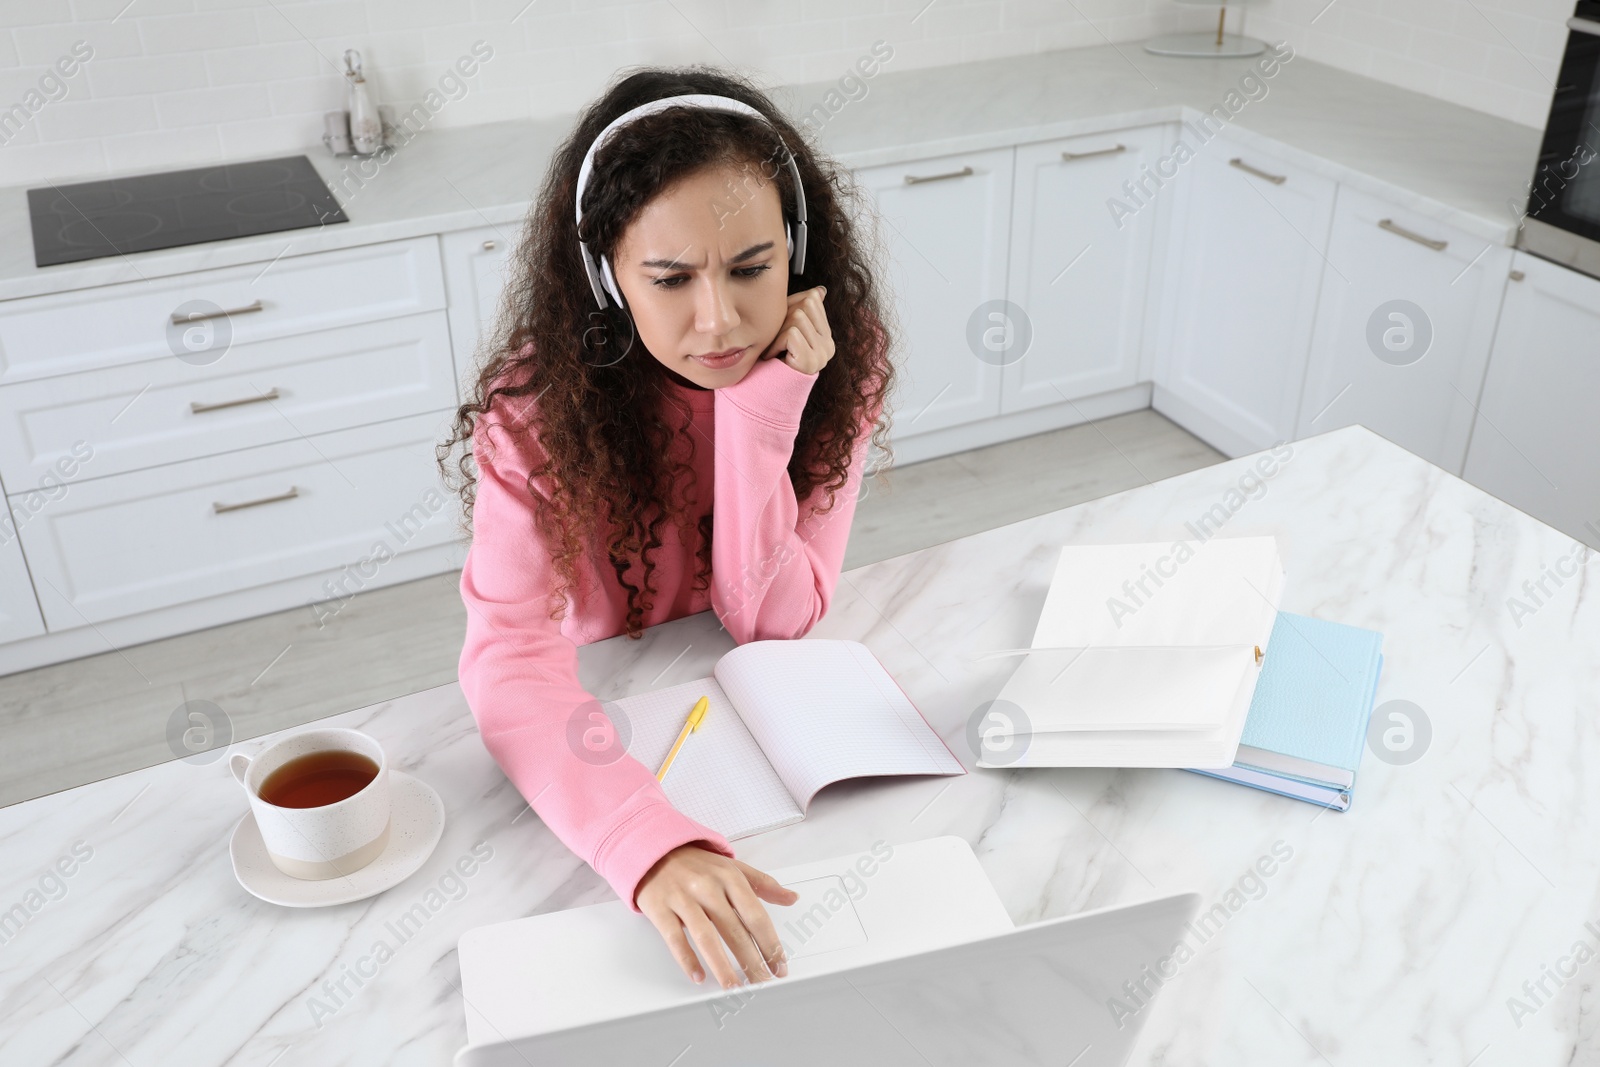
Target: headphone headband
(600,278)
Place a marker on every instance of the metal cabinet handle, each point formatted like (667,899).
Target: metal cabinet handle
(1517,275)
(196,316)
(1588,26)
(197,407)
(220,508)
(912,179)
(1070,156)
(1388,224)
(1275,179)
(488,246)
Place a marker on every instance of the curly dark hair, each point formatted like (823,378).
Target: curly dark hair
(599,415)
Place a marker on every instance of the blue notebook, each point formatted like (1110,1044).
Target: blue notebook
(1307,724)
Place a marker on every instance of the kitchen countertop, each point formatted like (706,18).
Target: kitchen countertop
(1441,160)
(1395,932)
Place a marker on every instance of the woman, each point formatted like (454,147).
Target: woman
(606,438)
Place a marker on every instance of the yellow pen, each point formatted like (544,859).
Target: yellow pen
(696,717)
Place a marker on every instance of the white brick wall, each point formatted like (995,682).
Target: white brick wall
(183,82)
(1499,56)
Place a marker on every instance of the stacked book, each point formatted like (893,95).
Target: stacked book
(1308,719)
(1145,655)
(1176,655)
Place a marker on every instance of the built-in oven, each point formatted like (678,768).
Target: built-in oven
(1562,221)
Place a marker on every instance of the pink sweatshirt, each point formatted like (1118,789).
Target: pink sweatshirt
(772,576)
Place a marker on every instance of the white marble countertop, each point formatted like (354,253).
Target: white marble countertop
(1444,161)
(1394,933)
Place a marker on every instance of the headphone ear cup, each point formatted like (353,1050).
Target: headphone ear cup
(610,282)
(788,240)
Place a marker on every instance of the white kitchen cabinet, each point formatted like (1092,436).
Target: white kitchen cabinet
(1404,324)
(89,329)
(1240,301)
(19,608)
(1211,289)
(1078,273)
(477,266)
(149,539)
(294,438)
(137,415)
(945,226)
(1536,441)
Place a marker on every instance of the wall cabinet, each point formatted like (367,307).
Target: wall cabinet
(1078,273)
(1237,321)
(476,270)
(945,226)
(1403,328)
(1536,441)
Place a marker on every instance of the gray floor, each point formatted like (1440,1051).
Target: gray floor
(77,722)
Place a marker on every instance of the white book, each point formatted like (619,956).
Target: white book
(1145,655)
(785,719)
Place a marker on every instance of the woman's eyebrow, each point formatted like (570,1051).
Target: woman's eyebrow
(676,264)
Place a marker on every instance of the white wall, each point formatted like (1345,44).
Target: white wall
(1499,56)
(176,82)
(183,82)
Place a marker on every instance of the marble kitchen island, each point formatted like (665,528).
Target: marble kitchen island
(1416,928)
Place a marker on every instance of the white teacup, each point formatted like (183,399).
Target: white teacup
(330,840)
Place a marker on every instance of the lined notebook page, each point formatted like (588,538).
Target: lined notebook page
(826,710)
(720,777)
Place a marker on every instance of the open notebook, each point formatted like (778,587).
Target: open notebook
(786,718)
(1145,655)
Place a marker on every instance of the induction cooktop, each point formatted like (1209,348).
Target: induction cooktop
(114,216)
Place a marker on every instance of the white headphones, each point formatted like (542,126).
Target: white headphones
(794,238)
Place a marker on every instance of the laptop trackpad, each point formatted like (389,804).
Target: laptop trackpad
(824,919)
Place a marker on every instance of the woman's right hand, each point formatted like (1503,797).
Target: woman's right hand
(715,900)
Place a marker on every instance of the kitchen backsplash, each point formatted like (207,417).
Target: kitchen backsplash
(1499,56)
(184,82)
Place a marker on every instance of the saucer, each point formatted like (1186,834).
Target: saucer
(417,821)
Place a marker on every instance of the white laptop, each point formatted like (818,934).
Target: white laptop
(900,954)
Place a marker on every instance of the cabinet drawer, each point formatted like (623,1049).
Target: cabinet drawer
(144,414)
(88,329)
(134,542)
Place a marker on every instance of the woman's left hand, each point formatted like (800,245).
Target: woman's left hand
(805,339)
